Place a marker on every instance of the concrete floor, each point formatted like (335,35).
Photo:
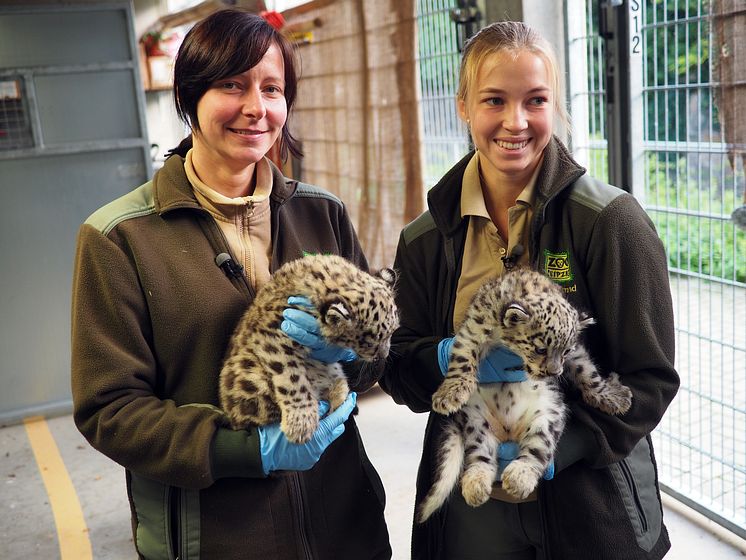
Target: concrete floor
(392,436)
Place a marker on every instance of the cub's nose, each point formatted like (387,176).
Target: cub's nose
(383,350)
(554,367)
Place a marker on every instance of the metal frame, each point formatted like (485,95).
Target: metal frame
(28,74)
(613,26)
(58,404)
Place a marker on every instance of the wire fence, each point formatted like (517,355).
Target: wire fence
(691,187)
(444,139)
(587,87)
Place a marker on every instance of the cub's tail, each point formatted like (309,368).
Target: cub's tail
(450,461)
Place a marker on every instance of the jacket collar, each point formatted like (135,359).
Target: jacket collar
(173,191)
(444,199)
(558,171)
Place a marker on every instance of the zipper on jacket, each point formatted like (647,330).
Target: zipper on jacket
(543,526)
(296,492)
(635,494)
(174,512)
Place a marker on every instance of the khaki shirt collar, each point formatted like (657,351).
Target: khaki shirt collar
(262,190)
(472,198)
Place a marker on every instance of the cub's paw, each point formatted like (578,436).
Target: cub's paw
(612,397)
(299,425)
(453,394)
(338,394)
(520,479)
(619,395)
(476,486)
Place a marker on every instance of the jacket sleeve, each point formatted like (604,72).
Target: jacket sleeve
(349,242)
(412,373)
(629,291)
(115,382)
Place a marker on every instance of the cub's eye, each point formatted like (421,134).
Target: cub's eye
(541,351)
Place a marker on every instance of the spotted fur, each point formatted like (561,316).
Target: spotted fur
(268,377)
(527,313)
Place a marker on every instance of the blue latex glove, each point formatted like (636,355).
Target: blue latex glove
(304,329)
(499,366)
(507,451)
(279,454)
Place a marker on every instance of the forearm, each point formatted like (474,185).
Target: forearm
(117,381)
(235,453)
(413,374)
(616,436)
(362,376)
(576,443)
(634,335)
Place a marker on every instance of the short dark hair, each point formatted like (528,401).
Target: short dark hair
(226,43)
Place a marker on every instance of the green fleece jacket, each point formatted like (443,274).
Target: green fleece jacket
(151,317)
(599,245)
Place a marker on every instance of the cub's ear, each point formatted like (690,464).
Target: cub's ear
(388,275)
(335,313)
(586,320)
(515,313)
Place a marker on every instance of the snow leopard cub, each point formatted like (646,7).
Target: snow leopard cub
(267,377)
(527,313)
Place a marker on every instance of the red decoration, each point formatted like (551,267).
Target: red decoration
(273,18)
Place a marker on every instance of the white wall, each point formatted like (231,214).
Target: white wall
(548,18)
(164,127)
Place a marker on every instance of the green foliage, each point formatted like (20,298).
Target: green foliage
(691,208)
(707,246)
(690,196)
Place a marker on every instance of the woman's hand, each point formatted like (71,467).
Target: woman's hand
(304,329)
(499,366)
(279,454)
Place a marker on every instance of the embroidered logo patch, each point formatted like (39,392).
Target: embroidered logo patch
(557,267)
(307,253)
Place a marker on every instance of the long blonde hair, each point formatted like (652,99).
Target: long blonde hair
(511,37)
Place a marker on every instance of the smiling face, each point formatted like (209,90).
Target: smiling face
(240,117)
(510,111)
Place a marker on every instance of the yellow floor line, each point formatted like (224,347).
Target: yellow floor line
(68,516)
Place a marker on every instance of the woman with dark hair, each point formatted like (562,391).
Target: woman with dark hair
(162,276)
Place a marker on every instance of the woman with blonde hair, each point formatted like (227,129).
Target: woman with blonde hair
(519,199)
